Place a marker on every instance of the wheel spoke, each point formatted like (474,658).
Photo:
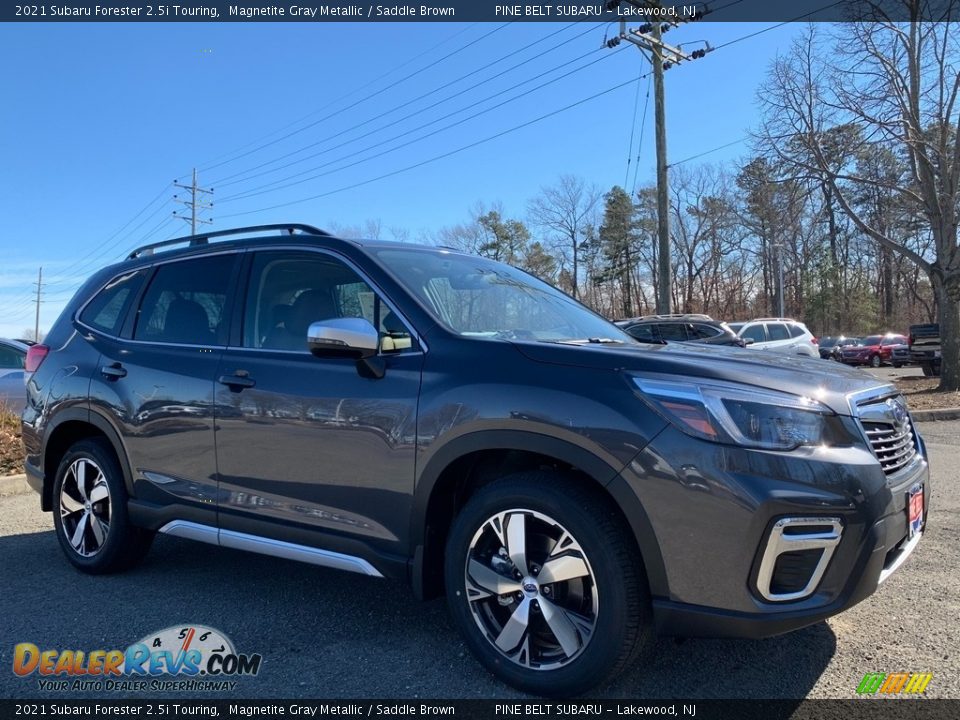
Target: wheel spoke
(99,491)
(559,569)
(77,539)
(99,529)
(517,541)
(488,579)
(516,627)
(68,504)
(561,626)
(79,470)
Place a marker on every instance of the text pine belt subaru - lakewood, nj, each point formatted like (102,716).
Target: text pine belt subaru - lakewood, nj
(430,416)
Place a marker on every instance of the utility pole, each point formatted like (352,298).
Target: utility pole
(664,271)
(194,203)
(36,322)
(649,39)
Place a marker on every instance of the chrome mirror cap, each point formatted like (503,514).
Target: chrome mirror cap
(351,336)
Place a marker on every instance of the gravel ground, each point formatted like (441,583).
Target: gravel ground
(329,634)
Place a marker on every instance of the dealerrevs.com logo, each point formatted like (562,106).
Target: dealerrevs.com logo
(182,657)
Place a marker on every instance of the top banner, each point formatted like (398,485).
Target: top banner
(632,11)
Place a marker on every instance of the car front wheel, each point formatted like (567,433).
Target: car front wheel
(546,585)
(875,361)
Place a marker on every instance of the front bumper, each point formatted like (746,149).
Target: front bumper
(713,508)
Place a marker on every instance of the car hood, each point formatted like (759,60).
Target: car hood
(831,384)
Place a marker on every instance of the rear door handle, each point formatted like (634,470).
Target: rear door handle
(237,381)
(113,372)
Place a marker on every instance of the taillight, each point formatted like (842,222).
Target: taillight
(815,341)
(35,356)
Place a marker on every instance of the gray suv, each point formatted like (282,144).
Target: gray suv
(453,423)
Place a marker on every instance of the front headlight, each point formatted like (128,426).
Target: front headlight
(734,414)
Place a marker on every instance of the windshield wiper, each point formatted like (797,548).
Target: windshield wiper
(587,341)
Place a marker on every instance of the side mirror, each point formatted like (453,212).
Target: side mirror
(354,337)
(748,341)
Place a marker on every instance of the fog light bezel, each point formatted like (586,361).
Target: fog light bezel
(787,535)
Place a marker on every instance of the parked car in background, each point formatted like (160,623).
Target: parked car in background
(680,328)
(924,342)
(12,358)
(875,350)
(900,355)
(831,347)
(783,335)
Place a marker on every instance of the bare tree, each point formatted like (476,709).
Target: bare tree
(566,209)
(892,84)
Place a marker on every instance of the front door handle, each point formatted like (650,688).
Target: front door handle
(113,372)
(237,381)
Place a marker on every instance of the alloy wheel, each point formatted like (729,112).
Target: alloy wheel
(85,507)
(530,589)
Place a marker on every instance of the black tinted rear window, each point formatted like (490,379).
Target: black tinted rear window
(185,302)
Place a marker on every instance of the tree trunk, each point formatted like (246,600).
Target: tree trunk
(947,291)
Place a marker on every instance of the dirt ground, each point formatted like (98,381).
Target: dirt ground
(921,393)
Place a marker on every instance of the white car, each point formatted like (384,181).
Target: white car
(783,335)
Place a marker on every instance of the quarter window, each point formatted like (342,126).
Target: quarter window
(673,331)
(185,302)
(11,358)
(795,331)
(109,306)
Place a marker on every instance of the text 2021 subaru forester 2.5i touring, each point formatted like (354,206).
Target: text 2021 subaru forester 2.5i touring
(449,421)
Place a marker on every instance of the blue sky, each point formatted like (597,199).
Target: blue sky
(99,119)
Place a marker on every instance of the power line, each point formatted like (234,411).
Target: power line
(195,203)
(633,127)
(228,180)
(643,126)
(711,150)
(209,165)
(442,156)
(360,101)
(278,184)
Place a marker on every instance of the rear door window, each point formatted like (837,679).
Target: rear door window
(673,331)
(185,302)
(778,331)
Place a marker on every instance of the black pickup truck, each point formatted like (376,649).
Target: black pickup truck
(925,347)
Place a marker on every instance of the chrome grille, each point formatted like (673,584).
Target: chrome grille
(889,431)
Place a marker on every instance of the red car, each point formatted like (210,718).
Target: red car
(874,350)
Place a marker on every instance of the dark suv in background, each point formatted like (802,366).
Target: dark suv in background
(692,328)
(454,423)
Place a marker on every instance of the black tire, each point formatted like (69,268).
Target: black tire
(875,361)
(107,542)
(597,540)
(927,370)
(897,366)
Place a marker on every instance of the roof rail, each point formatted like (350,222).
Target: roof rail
(202,239)
(676,316)
(772,319)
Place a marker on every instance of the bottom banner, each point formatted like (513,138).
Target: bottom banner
(867,709)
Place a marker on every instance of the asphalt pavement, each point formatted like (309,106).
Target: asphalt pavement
(324,633)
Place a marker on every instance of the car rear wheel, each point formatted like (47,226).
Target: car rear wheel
(545,584)
(874,361)
(90,511)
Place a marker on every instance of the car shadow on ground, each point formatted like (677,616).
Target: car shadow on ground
(324,633)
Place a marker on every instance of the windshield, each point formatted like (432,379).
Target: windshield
(735,327)
(477,297)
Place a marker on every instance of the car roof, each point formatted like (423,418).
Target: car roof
(14,344)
